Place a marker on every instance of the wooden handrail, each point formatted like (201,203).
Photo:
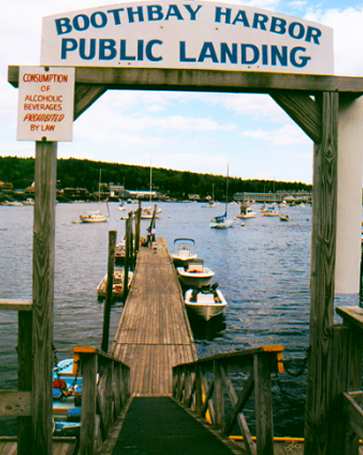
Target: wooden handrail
(92,350)
(352,315)
(105,395)
(235,355)
(205,387)
(16,304)
(353,402)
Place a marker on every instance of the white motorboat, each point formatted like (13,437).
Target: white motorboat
(195,275)
(183,253)
(206,302)
(147,213)
(93,217)
(284,217)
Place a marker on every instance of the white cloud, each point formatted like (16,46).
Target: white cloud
(298,4)
(348,36)
(286,135)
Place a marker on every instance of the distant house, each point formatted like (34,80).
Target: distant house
(142,194)
(75,193)
(118,191)
(6,186)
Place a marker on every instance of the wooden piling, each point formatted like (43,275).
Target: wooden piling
(112,235)
(137,228)
(43,295)
(127,256)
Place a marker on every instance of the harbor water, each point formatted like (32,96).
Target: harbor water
(262,268)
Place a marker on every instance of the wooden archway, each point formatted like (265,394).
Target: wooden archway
(319,105)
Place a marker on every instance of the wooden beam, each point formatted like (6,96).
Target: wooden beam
(25,372)
(14,403)
(15,305)
(43,294)
(85,96)
(207,80)
(303,110)
(322,277)
(352,316)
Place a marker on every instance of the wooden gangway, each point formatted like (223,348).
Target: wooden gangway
(153,334)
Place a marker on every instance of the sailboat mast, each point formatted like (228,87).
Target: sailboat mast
(99,186)
(151,180)
(227,189)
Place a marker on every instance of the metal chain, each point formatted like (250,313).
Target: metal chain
(297,372)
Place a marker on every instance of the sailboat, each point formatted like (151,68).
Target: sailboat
(222,221)
(95,216)
(147,212)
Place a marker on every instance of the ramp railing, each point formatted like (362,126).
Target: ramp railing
(218,388)
(105,395)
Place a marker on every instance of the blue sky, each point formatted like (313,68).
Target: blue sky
(192,131)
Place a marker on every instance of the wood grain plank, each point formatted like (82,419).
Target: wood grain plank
(322,277)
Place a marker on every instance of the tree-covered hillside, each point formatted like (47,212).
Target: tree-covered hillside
(85,174)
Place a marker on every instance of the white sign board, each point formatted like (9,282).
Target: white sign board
(45,107)
(189,34)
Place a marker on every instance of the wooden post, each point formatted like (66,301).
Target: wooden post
(137,228)
(89,400)
(24,377)
(132,246)
(127,256)
(263,403)
(322,278)
(43,295)
(109,291)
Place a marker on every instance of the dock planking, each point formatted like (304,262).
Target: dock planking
(154,333)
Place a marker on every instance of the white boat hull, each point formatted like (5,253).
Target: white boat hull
(224,225)
(205,307)
(195,279)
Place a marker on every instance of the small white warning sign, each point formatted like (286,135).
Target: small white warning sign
(45,108)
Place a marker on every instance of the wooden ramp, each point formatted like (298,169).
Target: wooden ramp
(166,429)
(154,333)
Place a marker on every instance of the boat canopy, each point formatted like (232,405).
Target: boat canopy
(180,240)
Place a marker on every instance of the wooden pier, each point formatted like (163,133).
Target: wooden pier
(154,333)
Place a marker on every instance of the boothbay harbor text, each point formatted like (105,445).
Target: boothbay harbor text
(189,35)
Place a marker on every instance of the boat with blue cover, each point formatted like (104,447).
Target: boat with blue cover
(66,391)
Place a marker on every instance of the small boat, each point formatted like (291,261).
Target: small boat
(221,222)
(147,213)
(195,275)
(206,302)
(271,211)
(120,252)
(183,254)
(93,217)
(117,287)
(284,217)
(66,393)
(246,213)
